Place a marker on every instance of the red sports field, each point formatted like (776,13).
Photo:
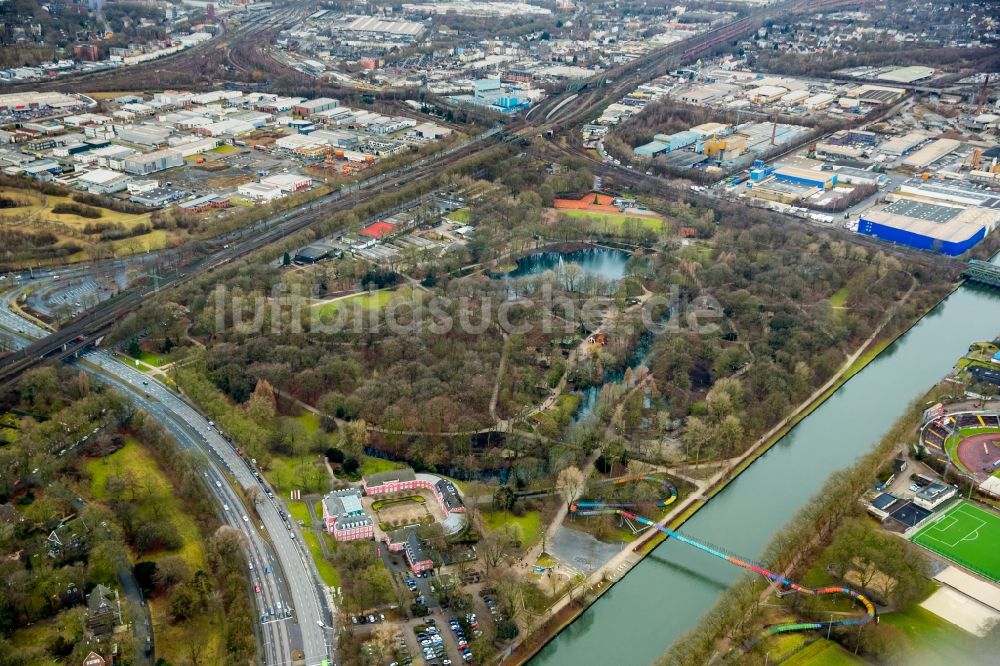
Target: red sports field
(596,202)
(977,454)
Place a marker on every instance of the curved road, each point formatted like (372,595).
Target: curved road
(277,545)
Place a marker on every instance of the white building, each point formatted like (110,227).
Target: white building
(103,181)
(259,192)
(934,496)
(288,182)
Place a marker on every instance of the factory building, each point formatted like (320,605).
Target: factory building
(949,230)
(931,153)
(665,143)
(103,181)
(766,94)
(311,106)
(144,135)
(288,182)
(158,160)
(824,180)
(900,145)
(818,101)
(907,74)
(259,192)
(839,150)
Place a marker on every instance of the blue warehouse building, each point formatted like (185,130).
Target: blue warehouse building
(824,180)
(946,229)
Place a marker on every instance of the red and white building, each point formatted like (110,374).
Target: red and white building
(345,518)
(407,541)
(398,480)
(288,182)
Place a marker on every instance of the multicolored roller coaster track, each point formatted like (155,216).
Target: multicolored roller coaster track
(603,508)
(592,508)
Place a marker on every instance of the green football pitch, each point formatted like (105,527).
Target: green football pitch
(968,536)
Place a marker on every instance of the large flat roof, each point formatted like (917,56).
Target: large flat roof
(922,211)
(907,74)
(932,221)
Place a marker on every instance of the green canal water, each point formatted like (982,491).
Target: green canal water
(666,594)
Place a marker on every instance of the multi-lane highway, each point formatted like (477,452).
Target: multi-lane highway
(271,543)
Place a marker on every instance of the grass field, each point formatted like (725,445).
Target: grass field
(462,215)
(154,496)
(370,465)
(37,215)
(530,524)
(152,359)
(173,640)
(326,570)
(374,300)
(300,512)
(822,653)
(968,536)
(839,297)
(614,221)
(930,638)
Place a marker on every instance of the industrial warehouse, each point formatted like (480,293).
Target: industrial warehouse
(946,229)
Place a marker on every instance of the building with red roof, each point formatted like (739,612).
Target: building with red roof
(380,229)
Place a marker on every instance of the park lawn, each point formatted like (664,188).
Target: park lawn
(281,473)
(326,571)
(160,504)
(530,524)
(930,637)
(152,359)
(300,512)
(174,641)
(615,221)
(823,653)
(45,632)
(462,215)
(839,297)
(308,420)
(369,300)
(373,465)
(43,204)
(782,646)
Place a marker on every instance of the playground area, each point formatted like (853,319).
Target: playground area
(968,536)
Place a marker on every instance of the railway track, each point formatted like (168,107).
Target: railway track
(88,330)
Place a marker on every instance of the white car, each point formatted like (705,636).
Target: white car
(245,519)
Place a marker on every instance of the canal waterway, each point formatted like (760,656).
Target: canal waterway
(665,595)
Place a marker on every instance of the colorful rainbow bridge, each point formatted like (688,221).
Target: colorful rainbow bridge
(601,508)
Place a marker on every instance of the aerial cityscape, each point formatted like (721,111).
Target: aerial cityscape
(548,332)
